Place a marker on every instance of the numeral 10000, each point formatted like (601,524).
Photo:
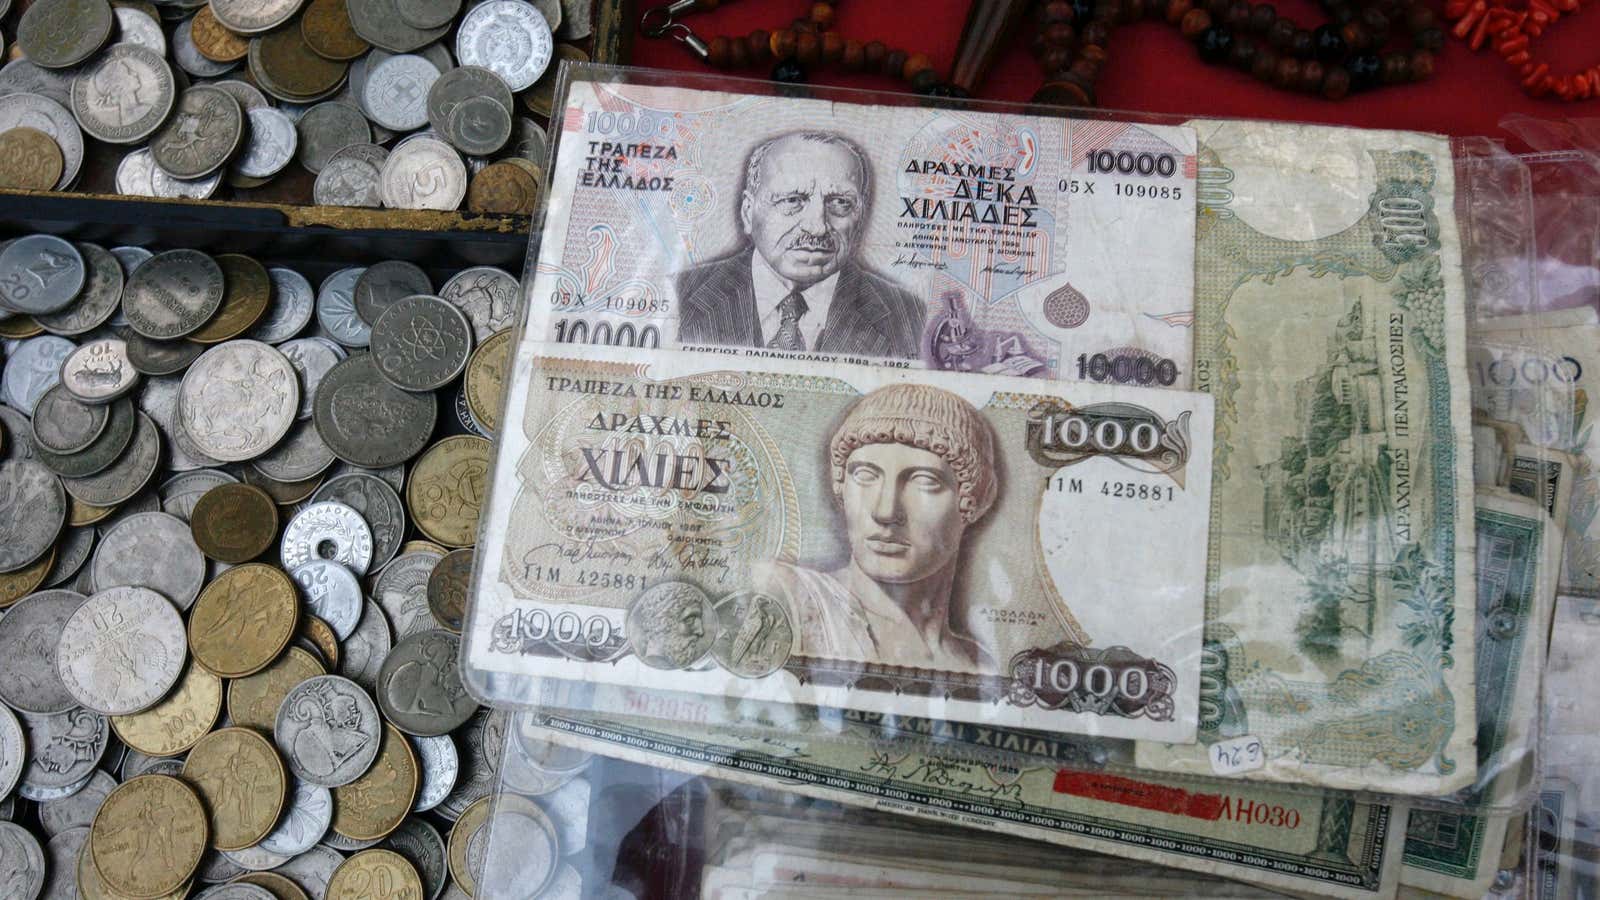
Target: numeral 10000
(1125,162)
(1127,369)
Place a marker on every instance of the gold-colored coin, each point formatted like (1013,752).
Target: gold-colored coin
(283,493)
(179,721)
(19,327)
(542,96)
(326,28)
(376,803)
(215,42)
(526,165)
(80,513)
(463,867)
(422,547)
(486,379)
(92,887)
(292,67)
(243,620)
(504,189)
(242,783)
(374,875)
(446,490)
(30,160)
(234,523)
(16,585)
(277,885)
(148,836)
(322,636)
(246,292)
(447,588)
(253,701)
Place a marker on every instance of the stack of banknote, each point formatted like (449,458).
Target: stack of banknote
(1158,490)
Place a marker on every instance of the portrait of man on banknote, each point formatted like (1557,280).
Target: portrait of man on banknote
(913,467)
(795,281)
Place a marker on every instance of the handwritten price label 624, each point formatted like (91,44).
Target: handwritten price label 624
(1236,755)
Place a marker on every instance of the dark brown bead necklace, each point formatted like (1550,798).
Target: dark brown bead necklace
(1349,53)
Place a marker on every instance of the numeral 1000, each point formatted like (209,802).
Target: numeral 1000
(1065,676)
(1104,435)
(564,628)
(1125,162)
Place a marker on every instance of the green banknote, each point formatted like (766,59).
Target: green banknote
(1330,328)
(1518,555)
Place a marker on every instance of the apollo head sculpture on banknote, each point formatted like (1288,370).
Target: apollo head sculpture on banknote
(913,467)
(796,281)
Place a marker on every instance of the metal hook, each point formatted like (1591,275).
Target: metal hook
(667,13)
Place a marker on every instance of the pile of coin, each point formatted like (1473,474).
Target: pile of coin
(338,102)
(235,541)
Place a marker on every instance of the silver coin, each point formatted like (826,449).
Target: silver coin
(159,400)
(131,258)
(378,504)
(326,129)
(348,845)
(18,431)
(401,590)
(440,766)
(577,20)
(23,77)
(532,142)
(419,686)
(135,27)
(421,343)
(127,476)
(146,502)
(478,126)
(290,311)
(64,424)
(33,509)
(61,853)
(98,371)
(235,890)
(31,369)
(509,37)
(312,870)
(312,359)
(469,422)
(460,84)
(156,358)
(255,859)
(533,865)
(385,283)
(174,294)
(216,867)
(238,400)
(138,176)
(568,807)
(13,751)
(489,297)
(349,181)
(204,132)
(519,772)
(72,551)
(124,95)
(99,300)
(481,742)
(190,59)
(394,476)
(40,273)
(62,33)
(272,144)
(22,865)
(378,22)
(368,421)
(152,550)
(428,13)
(421,846)
(180,493)
(396,92)
(305,820)
(299,456)
(135,764)
(328,731)
(332,594)
(63,750)
(248,95)
(336,308)
(327,531)
(77,811)
(366,648)
(425,173)
(253,16)
(52,118)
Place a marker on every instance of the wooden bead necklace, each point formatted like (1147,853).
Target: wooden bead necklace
(1511,34)
(1070,39)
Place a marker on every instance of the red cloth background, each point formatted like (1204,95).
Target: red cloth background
(1151,68)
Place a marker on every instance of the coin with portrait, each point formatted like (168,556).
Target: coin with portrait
(329,731)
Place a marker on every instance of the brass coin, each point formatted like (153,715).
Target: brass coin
(243,620)
(177,722)
(486,379)
(447,588)
(30,160)
(19,327)
(467,824)
(241,781)
(446,490)
(215,42)
(283,493)
(322,636)
(374,875)
(280,887)
(422,547)
(247,290)
(253,701)
(293,67)
(16,585)
(526,165)
(376,803)
(80,513)
(326,28)
(148,836)
(234,523)
(504,189)
(542,96)
(92,887)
